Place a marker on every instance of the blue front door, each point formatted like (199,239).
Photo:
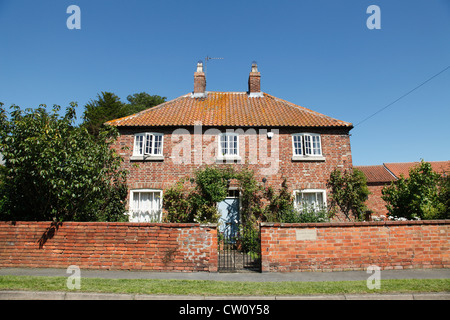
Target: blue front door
(229,217)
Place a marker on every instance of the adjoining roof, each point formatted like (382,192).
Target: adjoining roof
(376,173)
(402,168)
(392,171)
(231,109)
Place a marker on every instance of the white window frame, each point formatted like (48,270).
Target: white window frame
(307,147)
(224,155)
(317,206)
(136,215)
(145,151)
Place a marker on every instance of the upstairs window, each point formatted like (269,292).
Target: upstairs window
(148,144)
(306,144)
(228,145)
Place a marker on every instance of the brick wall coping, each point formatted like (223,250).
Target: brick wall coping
(128,224)
(353,224)
(263,224)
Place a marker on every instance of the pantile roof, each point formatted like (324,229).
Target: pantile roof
(402,168)
(376,173)
(231,109)
(392,171)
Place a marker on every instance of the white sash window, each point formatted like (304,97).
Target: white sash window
(306,145)
(229,144)
(145,205)
(310,199)
(147,143)
(298,144)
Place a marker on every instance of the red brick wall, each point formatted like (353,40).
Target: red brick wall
(374,202)
(193,247)
(98,245)
(299,174)
(355,246)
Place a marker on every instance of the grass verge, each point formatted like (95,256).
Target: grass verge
(211,288)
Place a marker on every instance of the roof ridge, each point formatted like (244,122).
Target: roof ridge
(229,108)
(417,162)
(305,109)
(388,170)
(240,92)
(369,165)
(131,116)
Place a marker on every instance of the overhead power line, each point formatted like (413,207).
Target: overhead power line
(409,92)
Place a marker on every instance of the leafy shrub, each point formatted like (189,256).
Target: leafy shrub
(198,204)
(177,204)
(56,171)
(424,195)
(280,205)
(307,215)
(249,238)
(252,195)
(349,193)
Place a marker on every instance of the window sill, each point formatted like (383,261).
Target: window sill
(308,158)
(229,159)
(147,158)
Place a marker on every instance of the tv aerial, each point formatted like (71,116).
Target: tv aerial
(210,58)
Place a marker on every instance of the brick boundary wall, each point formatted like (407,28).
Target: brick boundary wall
(183,247)
(355,246)
(186,247)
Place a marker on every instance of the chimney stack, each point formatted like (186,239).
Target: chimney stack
(254,82)
(199,82)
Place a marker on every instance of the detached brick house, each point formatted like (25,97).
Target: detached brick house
(275,138)
(380,176)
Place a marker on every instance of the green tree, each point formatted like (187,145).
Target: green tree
(142,101)
(106,107)
(444,196)
(424,195)
(349,193)
(55,171)
(2,191)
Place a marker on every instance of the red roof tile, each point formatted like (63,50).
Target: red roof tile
(392,171)
(229,109)
(402,168)
(376,173)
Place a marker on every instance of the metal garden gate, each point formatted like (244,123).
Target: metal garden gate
(239,249)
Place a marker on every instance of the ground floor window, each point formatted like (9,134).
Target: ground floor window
(310,199)
(145,205)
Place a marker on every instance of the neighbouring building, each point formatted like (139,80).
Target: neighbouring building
(380,176)
(252,129)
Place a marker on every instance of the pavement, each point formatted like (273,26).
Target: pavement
(56,295)
(249,276)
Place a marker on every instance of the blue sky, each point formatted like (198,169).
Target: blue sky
(318,54)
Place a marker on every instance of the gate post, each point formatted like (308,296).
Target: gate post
(213,251)
(265,245)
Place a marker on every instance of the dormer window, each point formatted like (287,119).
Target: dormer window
(148,145)
(307,146)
